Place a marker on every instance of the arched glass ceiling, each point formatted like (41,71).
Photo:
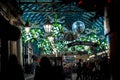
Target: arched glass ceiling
(38,12)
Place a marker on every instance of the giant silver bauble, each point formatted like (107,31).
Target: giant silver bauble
(78,27)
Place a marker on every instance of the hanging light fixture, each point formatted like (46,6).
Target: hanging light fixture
(27,26)
(47,26)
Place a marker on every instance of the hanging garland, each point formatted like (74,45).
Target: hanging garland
(62,37)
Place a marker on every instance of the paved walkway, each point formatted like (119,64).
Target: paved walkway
(73,77)
(31,76)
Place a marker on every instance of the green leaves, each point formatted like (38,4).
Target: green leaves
(36,34)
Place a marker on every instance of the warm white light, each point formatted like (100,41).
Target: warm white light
(91,56)
(75,56)
(47,27)
(51,39)
(87,47)
(27,26)
(27,29)
(88,59)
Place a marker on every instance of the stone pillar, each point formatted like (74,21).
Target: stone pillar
(19,51)
(30,53)
(13,47)
(16,48)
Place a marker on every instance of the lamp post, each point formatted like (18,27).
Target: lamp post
(51,39)
(48,28)
(26,47)
(27,26)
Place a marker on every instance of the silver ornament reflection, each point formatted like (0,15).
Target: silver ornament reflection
(78,27)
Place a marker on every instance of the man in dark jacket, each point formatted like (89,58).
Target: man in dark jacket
(79,70)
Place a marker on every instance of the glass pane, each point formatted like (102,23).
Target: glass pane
(27,0)
(44,0)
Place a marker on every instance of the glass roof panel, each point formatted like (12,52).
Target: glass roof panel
(44,0)
(27,0)
(38,12)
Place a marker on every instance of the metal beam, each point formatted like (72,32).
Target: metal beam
(37,11)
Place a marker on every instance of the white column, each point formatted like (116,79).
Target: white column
(30,53)
(20,52)
(13,47)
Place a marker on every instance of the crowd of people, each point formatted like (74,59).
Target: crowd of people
(46,71)
(91,69)
(85,70)
(98,69)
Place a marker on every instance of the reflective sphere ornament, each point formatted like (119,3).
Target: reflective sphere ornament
(78,27)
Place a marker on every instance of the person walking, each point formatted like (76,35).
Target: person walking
(14,69)
(79,70)
(44,70)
